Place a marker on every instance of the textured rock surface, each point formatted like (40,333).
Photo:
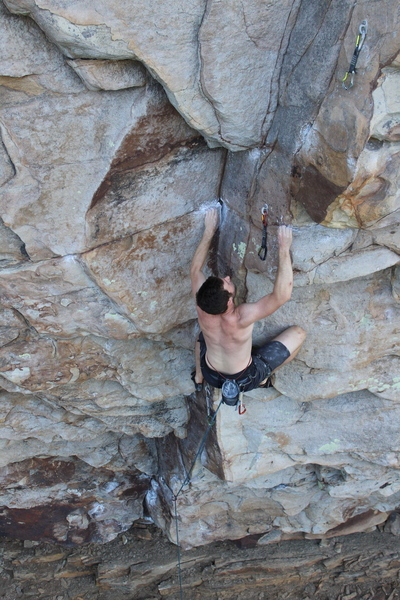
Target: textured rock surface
(304,466)
(191,54)
(356,566)
(57,297)
(103,190)
(67,501)
(109,75)
(160,296)
(350,153)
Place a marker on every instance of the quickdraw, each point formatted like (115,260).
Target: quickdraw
(241,407)
(362,32)
(262,253)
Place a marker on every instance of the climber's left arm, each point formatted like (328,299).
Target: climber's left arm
(255,311)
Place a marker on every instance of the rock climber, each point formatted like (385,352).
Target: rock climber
(224,346)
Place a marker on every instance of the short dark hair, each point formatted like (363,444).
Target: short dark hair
(212,297)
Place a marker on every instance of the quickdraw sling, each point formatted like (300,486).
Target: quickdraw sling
(362,32)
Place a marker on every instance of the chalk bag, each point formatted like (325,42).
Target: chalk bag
(230,392)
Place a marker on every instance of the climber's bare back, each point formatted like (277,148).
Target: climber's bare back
(228,343)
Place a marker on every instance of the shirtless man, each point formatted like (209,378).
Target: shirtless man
(224,346)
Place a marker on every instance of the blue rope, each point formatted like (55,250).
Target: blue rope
(186,482)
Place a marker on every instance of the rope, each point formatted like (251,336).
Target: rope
(186,481)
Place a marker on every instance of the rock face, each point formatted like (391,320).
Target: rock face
(346,566)
(119,125)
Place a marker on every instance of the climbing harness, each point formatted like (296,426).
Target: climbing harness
(362,32)
(231,392)
(211,421)
(262,253)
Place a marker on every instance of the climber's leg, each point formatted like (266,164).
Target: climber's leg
(293,339)
(282,349)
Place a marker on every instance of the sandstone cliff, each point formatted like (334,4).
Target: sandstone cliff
(120,122)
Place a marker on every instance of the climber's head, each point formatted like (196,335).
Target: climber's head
(213,296)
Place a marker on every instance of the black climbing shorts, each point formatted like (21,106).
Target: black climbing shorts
(264,360)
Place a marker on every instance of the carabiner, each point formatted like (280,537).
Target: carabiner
(347,87)
(241,407)
(363,32)
(264,215)
(262,253)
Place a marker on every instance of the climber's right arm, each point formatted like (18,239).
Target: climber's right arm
(196,270)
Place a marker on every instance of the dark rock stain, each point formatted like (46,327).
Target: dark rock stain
(151,140)
(315,192)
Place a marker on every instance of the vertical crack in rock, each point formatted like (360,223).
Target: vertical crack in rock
(214,255)
(241,215)
(243,289)
(275,86)
(284,123)
(202,85)
(311,41)
(223,168)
